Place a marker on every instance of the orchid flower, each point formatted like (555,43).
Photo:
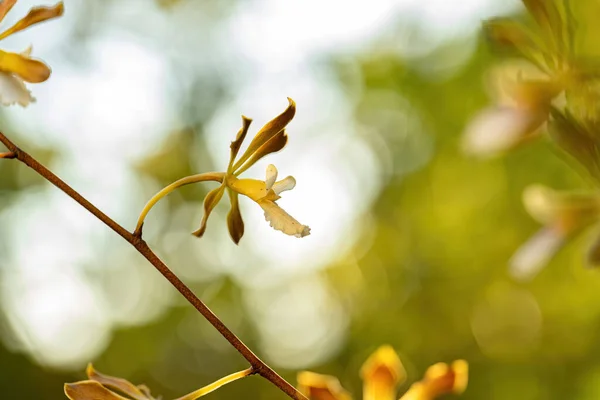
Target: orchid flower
(269,139)
(382,373)
(17,68)
(522,106)
(523,102)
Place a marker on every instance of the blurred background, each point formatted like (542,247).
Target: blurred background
(410,239)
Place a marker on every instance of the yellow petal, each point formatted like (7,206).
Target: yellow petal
(268,131)
(275,144)
(253,188)
(28,69)
(235,223)
(5,7)
(569,211)
(520,84)
(440,379)
(237,143)
(287,183)
(546,14)
(381,374)
(534,94)
(282,221)
(90,390)
(321,387)
(120,384)
(13,90)
(35,16)
(210,202)
(512,36)
(461,376)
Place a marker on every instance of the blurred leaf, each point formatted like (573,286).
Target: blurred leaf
(577,141)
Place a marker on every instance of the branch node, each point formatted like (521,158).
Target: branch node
(8,155)
(138,231)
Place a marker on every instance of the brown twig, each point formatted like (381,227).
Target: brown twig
(8,154)
(140,245)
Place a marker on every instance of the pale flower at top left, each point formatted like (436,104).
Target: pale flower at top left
(18,68)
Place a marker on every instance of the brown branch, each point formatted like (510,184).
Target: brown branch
(140,245)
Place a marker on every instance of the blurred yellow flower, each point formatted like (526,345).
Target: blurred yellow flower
(563,216)
(104,387)
(523,97)
(17,68)
(523,101)
(269,139)
(382,373)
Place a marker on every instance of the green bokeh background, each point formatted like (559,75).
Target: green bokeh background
(428,276)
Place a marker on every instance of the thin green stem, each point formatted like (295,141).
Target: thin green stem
(188,180)
(217,384)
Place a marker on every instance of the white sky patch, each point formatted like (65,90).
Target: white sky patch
(117,107)
(277,34)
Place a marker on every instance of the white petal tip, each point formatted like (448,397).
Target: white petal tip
(497,130)
(305,232)
(13,91)
(271,176)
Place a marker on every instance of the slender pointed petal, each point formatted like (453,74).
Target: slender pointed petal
(275,144)
(28,69)
(510,35)
(267,132)
(235,223)
(282,221)
(381,374)
(35,16)
(210,202)
(5,7)
(545,13)
(120,384)
(237,143)
(321,387)
(90,390)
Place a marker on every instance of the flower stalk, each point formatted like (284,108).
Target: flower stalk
(217,384)
(188,180)
(142,247)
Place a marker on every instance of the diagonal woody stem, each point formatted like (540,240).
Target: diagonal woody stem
(258,366)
